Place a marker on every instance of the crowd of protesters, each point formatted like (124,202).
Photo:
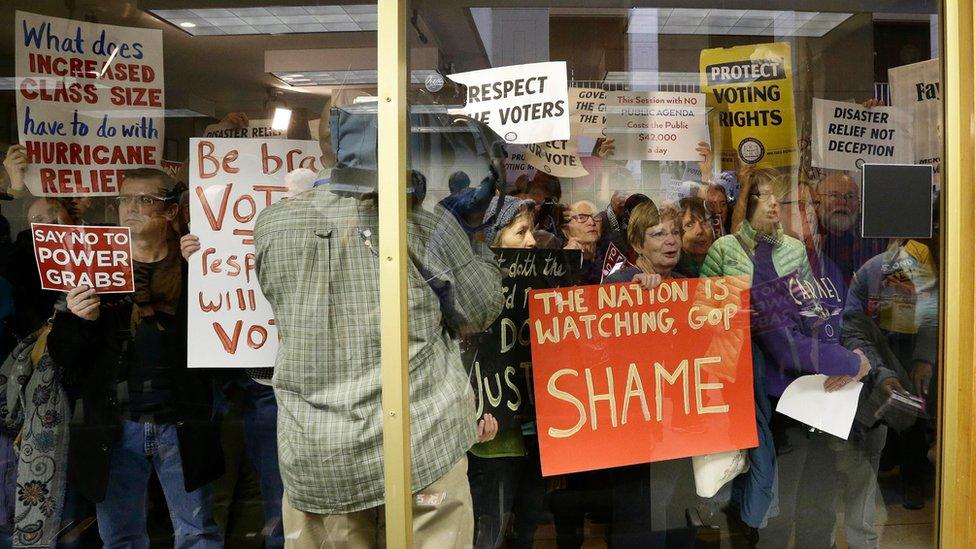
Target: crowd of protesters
(250,459)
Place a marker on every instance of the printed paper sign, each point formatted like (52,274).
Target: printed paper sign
(656,125)
(500,359)
(624,375)
(916,89)
(750,90)
(515,164)
(69,256)
(256,129)
(846,135)
(558,158)
(521,103)
(231,324)
(588,108)
(90,103)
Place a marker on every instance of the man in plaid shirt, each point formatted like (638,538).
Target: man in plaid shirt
(318,266)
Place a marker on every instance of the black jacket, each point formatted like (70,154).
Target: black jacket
(92,356)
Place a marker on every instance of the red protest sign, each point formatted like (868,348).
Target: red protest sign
(69,256)
(613,261)
(624,375)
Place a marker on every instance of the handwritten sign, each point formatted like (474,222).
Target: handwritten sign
(256,129)
(231,324)
(624,375)
(846,135)
(500,359)
(588,108)
(656,125)
(750,91)
(558,158)
(917,89)
(69,256)
(90,103)
(522,103)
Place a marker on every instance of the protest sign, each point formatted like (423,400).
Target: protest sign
(750,89)
(172,168)
(69,256)
(515,164)
(231,324)
(521,103)
(255,129)
(89,103)
(613,261)
(656,125)
(845,135)
(558,158)
(916,88)
(500,360)
(587,111)
(624,375)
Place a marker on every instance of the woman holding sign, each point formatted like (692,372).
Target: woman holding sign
(503,468)
(790,332)
(640,491)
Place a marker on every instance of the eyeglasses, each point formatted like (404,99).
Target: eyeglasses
(660,235)
(582,218)
(139,200)
(847,197)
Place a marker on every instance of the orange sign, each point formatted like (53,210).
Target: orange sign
(624,375)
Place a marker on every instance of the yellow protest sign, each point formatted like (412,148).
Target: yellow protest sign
(749,91)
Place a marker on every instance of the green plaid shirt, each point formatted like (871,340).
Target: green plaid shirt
(322,281)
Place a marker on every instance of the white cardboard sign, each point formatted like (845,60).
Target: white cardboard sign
(230,322)
(521,103)
(90,103)
(656,125)
(917,89)
(256,129)
(588,111)
(846,135)
(558,158)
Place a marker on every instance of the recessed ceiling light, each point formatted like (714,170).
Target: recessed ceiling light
(738,22)
(187,25)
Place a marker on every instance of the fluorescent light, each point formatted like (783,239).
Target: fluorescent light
(272,19)
(342,78)
(281,119)
(733,22)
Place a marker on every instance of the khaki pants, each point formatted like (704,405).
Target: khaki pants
(442,518)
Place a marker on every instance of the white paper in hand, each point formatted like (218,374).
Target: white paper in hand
(806,401)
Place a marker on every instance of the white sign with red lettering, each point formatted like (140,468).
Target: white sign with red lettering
(90,103)
(230,322)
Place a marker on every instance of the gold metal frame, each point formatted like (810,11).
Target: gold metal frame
(393,162)
(957,509)
(957,472)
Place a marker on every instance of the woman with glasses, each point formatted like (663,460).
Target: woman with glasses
(792,335)
(640,492)
(580,228)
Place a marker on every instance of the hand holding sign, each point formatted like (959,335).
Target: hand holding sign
(84,302)
(16,164)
